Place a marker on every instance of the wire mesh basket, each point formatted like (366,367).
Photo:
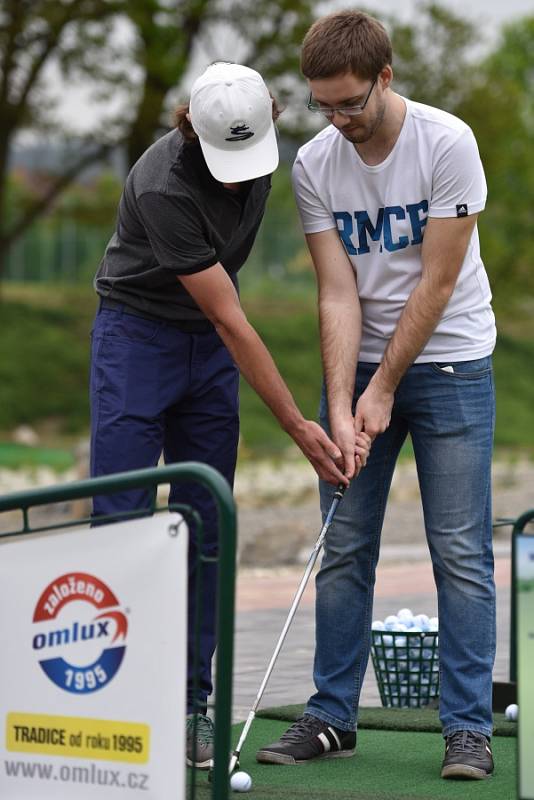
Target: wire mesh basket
(406,666)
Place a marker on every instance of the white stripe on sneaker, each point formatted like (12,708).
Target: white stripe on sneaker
(336,737)
(324,741)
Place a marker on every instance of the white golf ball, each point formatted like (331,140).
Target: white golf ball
(241,782)
(378,625)
(422,621)
(405,613)
(511,712)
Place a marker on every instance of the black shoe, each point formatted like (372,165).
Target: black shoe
(467,755)
(308,738)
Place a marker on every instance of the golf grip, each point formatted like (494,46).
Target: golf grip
(338,494)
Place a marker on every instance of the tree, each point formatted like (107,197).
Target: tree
(500,109)
(433,64)
(432,57)
(147,69)
(78,36)
(32,34)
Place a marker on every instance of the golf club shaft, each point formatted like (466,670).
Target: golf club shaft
(340,491)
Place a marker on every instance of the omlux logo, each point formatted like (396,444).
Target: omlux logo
(79,633)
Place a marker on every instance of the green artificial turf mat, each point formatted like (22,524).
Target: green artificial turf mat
(392,719)
(388,765)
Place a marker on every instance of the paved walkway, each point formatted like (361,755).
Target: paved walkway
(404,579)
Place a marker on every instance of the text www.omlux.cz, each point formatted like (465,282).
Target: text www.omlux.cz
(92,774)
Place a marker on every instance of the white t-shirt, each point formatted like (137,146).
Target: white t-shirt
(380,212)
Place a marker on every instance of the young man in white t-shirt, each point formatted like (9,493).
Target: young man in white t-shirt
(389,195)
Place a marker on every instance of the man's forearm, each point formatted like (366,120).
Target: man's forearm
(259,370)
(443,252)
(416,325)
(215,294)
(340,329)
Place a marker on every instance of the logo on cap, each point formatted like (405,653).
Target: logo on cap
(240,131)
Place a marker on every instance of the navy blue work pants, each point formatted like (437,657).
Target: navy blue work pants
(154,390)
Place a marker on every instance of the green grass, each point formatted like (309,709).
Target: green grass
(44,363)
(388,765)
(425,720)
(289,330)
(44,358)
(514,382)
(15,456)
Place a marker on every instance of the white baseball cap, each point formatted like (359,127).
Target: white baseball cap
(232,114)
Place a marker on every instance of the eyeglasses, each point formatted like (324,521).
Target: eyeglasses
(347,111)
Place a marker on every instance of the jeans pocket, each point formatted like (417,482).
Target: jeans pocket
(97,376)
(464,370)
(131,327)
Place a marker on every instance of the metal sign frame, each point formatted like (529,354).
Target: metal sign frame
(151,478)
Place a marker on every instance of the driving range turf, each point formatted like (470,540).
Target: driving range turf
(388,765)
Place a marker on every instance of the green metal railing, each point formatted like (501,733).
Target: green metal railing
(150,478)
(519,526)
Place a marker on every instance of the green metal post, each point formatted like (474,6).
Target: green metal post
(519,526)
(222,494)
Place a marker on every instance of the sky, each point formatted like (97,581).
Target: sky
(79,110)
(491,13)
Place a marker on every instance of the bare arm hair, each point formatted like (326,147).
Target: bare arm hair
(340,332)
(215,294)
(444,247)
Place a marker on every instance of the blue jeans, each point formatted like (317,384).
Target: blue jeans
(157,389)
(450,418)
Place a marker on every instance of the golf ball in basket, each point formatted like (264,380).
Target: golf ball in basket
(241,782)
(422,621)
(511,712)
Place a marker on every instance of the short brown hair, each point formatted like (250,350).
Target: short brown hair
(343,42)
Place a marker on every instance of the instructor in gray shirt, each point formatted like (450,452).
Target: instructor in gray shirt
(170,336)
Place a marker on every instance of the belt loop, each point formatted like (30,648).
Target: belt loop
(106,302)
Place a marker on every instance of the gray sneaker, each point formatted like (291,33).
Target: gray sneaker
(467,755)
(199,749)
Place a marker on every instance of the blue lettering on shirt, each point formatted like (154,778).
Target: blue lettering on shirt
(345,230)
(416,221)
(381,231)
(365,226)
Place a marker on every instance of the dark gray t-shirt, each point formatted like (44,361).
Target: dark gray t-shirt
(175,219)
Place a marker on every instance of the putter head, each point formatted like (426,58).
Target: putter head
(210,771)
(234,762)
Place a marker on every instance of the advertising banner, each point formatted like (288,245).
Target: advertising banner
(93,667)
(525,661)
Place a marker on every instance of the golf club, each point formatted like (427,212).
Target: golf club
(338,494)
